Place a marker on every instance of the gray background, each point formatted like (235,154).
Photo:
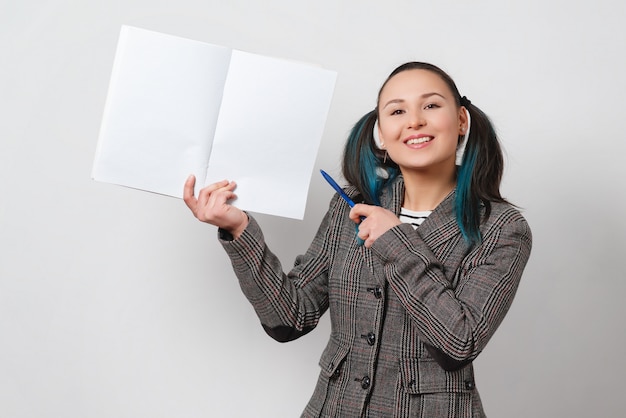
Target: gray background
(118,303)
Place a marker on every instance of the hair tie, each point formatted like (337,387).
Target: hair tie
(465,102)
(375,135)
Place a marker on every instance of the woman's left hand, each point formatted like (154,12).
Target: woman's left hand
(373,221)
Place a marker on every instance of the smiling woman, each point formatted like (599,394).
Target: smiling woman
(423,128)
(438,261)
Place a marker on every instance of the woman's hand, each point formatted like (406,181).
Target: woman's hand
(373,221)
(212,205)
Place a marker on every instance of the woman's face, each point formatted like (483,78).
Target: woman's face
(419,122)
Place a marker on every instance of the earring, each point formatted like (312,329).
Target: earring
(385,158)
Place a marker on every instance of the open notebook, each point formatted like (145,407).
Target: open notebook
(177,106)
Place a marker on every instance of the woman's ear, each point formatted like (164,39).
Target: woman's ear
(465,120)
(463,125)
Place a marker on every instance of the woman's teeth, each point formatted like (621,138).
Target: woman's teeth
(419,140)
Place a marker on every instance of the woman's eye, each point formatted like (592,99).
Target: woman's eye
(431,106)
(397,112)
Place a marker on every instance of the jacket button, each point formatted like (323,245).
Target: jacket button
(376,291)
(336,373)
(370,338)
(365,382)
(469,384)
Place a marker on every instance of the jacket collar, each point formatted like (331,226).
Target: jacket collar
(441,219)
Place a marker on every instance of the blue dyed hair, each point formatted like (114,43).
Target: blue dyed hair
(364,163)
(467,216)
(478,177)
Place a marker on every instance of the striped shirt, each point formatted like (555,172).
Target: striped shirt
(415,218)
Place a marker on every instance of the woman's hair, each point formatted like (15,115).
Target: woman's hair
(478,177)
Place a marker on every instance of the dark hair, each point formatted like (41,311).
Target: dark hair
(478,177)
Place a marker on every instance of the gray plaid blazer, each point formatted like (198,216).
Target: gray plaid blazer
(408,315)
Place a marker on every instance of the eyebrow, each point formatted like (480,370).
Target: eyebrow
(423,96)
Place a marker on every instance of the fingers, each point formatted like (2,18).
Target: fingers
(360,211)
(209,197)
(366,235)
(219,192)
(188,195)
(373,221)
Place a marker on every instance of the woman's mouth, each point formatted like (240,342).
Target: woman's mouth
(420,140)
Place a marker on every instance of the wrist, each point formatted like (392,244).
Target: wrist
(238,230)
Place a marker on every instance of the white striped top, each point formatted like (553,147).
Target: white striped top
(415,218)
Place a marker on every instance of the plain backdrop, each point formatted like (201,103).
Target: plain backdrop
(118,303)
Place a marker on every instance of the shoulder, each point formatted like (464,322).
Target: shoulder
(503,212)
(506,219)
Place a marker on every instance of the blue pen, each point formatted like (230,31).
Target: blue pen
(345,197)
(339,190)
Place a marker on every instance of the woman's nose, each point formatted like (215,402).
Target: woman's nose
(416,120)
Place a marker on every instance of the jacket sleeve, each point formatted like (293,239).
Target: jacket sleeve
(288,305)
(456,322)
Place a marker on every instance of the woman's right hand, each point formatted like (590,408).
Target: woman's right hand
(212,205)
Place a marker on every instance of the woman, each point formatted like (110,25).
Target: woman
(432,271)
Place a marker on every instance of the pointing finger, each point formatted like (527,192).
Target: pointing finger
(360,211)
